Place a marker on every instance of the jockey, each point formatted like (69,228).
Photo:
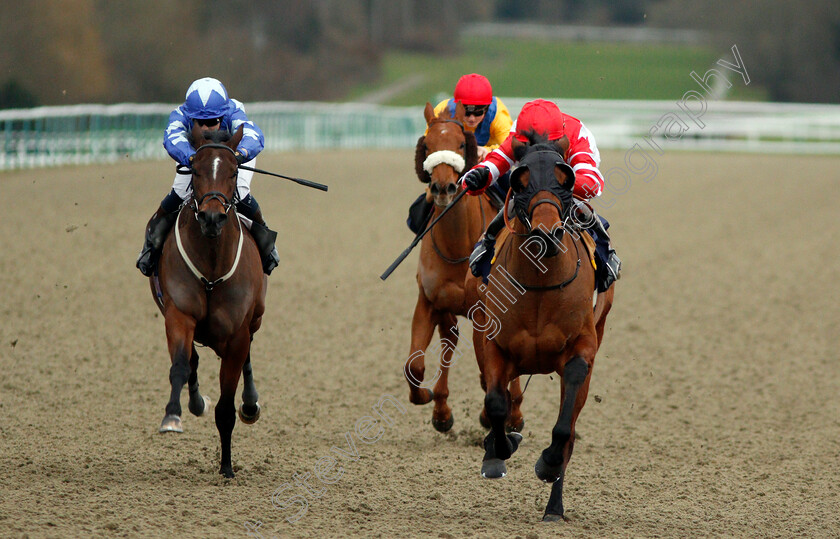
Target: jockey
(208,105)
(545,119)
(486,116)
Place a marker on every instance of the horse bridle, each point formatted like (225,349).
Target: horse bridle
(226,202)
(448,157)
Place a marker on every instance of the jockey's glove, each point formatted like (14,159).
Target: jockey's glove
(482,256)
(240,158)
(475,181)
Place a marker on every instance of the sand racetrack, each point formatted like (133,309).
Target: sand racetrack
(718,384)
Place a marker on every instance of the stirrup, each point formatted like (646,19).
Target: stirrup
(612,272)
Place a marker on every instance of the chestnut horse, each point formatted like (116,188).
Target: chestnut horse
(211,290)
(442,155)
(551,327)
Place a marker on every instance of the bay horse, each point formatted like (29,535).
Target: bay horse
(552,326)
(211,290)
(444,153)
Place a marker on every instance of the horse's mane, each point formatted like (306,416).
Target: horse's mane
(470,156)
(536,142)
(216,137)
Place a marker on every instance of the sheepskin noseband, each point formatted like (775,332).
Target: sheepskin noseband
(448,157)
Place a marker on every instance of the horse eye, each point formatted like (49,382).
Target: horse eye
(463,145)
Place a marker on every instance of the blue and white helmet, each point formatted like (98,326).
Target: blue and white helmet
(206,98)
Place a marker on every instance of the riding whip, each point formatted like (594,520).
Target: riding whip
(419,237)
(307,183)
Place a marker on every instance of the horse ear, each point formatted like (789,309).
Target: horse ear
(519,179)
(459,112)
(197,135)
(237,137)
(564,146)
(429,113)
(565,175)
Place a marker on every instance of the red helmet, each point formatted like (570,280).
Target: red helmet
(542,117)
(474,89)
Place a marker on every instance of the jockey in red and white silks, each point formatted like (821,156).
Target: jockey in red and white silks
(545,118)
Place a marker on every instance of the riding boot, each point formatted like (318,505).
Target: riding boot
(419,213)
(482,255)
(609,265)
(263,236)
(156,232)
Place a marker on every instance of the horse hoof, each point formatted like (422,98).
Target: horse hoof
(515,428)
(443,426)
(249,418)
(171,423)
(548,517)
(547,473)
(206,402)
(425,396)
(493,469)
(514,439)
(227,471)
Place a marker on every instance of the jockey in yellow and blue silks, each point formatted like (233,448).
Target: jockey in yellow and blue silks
(207,104)
(486,116)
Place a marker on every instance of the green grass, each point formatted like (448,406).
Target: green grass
(523,68)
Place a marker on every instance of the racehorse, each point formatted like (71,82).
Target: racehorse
(441,156)
(211,290)
(552,326)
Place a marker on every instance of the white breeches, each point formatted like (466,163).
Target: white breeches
(182,188)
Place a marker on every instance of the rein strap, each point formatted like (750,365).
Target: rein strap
(208,284)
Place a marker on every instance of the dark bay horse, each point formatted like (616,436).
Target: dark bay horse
(211,290)
(442,155)
(552,326)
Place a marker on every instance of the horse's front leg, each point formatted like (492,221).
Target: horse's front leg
(249,410)
(199,404)
(422,329)
(551,466)
(229,372)
(498,446)
(180,329)
(442,418)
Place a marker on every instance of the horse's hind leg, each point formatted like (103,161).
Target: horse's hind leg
(442,418)
(249,410)
(179,336)
(515,421)
(199,403)
(602,309)
(551,466)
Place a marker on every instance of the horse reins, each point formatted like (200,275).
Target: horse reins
(456,260)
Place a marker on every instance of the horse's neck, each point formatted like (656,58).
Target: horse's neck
(543,271)
(213,257)
(461,224)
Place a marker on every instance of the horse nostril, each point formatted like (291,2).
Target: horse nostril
(451,188)
(435,189)
(202,217)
